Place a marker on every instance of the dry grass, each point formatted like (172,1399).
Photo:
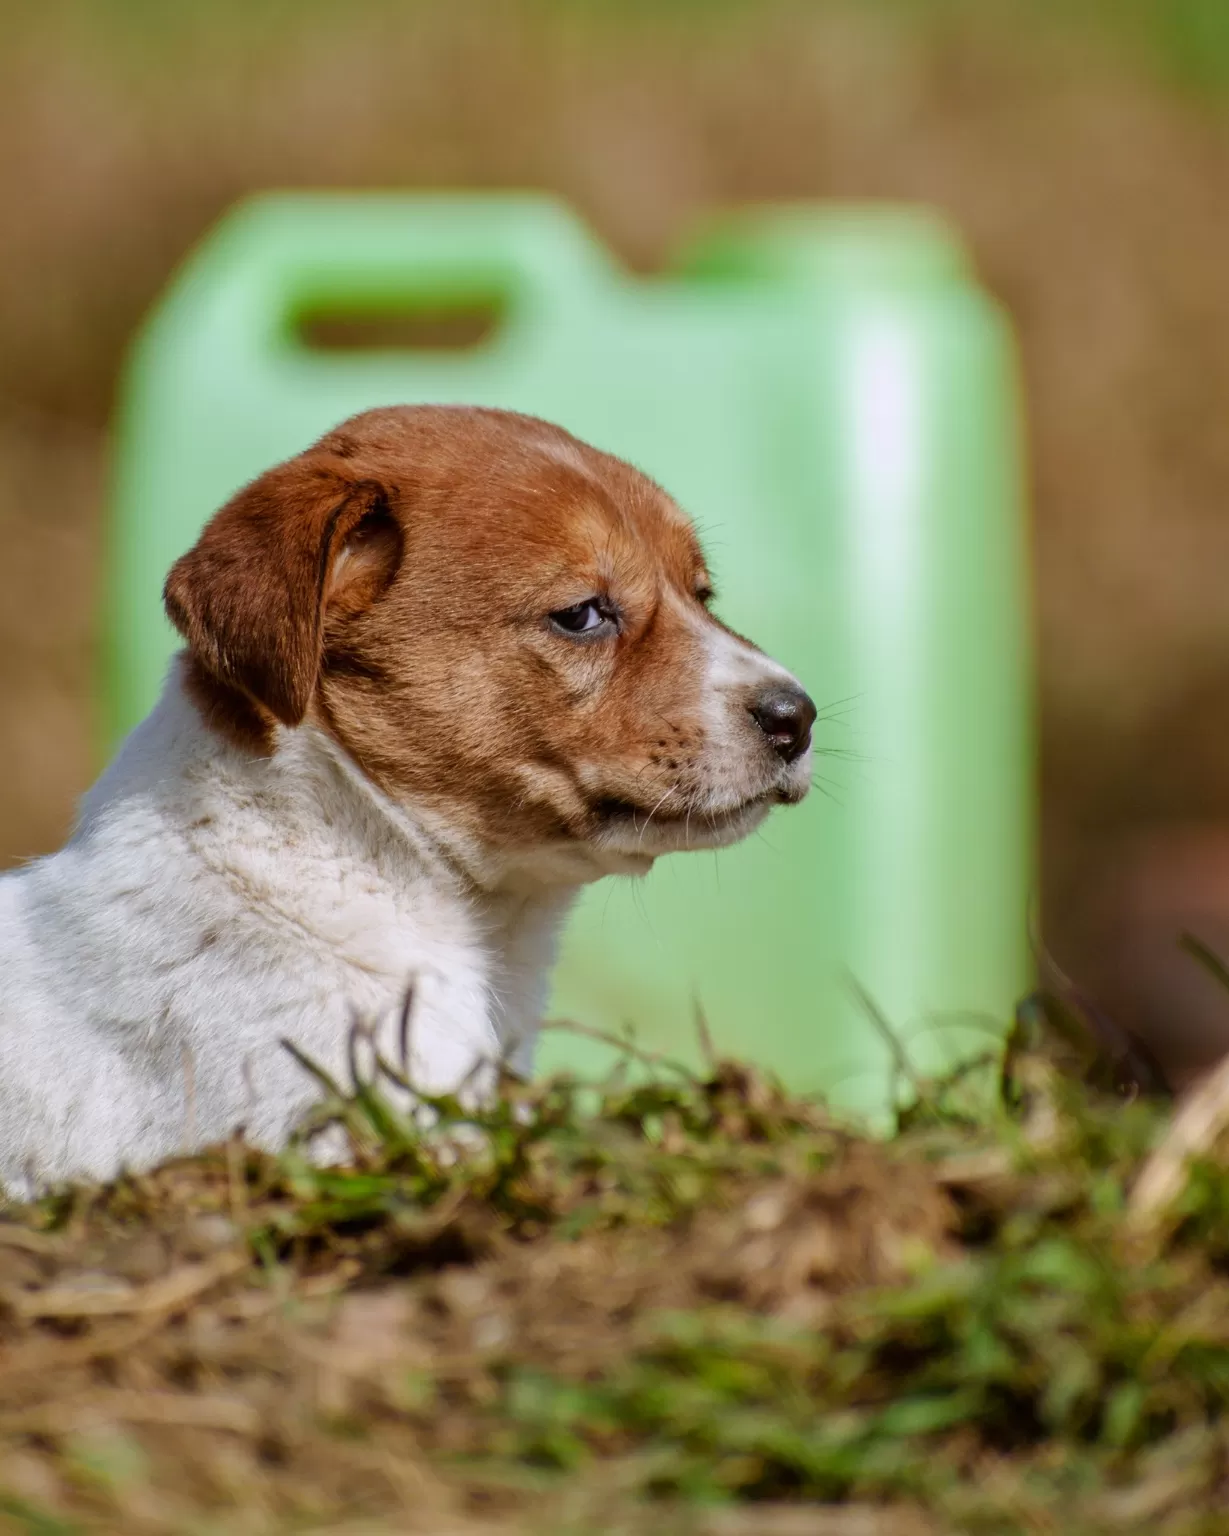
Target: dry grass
(694,1305)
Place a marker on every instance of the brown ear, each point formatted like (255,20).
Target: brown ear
(249,597)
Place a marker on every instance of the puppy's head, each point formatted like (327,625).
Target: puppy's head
(503,628)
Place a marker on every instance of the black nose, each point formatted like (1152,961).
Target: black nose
(785,715)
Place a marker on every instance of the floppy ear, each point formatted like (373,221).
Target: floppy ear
(249,598)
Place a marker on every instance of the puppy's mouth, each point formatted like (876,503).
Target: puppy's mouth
(611,810)
(630,826)
(700,816)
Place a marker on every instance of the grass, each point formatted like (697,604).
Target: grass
(699,1305)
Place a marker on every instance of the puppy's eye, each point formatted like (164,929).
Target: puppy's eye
(585,618)
(705,594)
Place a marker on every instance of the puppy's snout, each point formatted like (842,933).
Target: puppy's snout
(785,715)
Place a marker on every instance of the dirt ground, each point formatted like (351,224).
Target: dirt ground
(700,1308)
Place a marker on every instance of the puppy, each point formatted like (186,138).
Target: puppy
(440,670)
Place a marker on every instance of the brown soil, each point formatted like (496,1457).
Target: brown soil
(220,1336)
(694,1307)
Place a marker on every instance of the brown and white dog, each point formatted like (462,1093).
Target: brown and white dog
(441,669)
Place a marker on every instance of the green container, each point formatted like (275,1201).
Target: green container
(834,398)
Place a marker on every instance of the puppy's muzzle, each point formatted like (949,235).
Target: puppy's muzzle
(785,714)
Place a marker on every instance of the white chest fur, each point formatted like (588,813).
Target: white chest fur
(211,903)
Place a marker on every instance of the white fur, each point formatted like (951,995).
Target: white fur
(210,903)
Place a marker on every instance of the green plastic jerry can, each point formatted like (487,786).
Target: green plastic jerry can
(834,398)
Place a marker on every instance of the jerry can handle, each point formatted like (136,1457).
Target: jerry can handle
(285,256)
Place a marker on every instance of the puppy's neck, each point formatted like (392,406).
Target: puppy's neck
(301,799)
(311,844)
(493,872)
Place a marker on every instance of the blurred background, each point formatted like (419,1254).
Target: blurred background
(1082,149)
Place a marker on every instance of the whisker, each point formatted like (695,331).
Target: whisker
(837,708)
(653,813)
(827,789)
